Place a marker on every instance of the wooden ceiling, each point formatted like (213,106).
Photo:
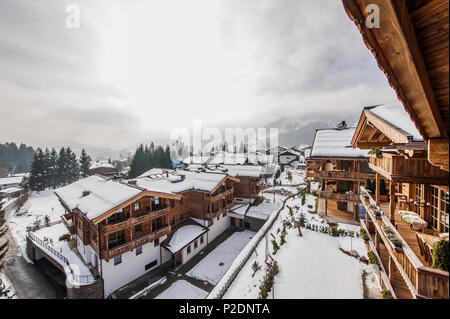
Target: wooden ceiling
(411,47)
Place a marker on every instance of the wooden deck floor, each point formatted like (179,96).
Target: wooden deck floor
(408,234)
(397,282)
(334,212)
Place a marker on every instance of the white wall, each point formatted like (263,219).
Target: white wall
(185,256)
(131,267)
(218,227)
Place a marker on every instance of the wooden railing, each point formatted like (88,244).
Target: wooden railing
(358,176)
(138,241)
(227,192)
(106,229)
(398,166)
(213,214)
(339,196)
(422,281)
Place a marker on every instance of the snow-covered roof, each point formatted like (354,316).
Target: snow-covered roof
(336,143)
(10,190)
(156,171)
(229,158)
(262,211)
(307,152)
(102,195)
(291,151)
(240,209)
(174,184)
(196,160)
(243,170)
(11,180)
(397,117)
(183,236)
(95,165)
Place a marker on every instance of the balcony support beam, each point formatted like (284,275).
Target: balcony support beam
(391,202)
(377,189)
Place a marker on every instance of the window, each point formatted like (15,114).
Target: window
(156,243)
(172,220)
(151,265)
(444,212)
(195,244)
(137,206)
(201,240)
(434,207)
(188,249)
(116,239)
(117,260)
(181,217)
(138,228)
(138,250)
(181,201)
(172,203)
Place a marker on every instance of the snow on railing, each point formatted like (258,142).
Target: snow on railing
(227,279)
(68,269)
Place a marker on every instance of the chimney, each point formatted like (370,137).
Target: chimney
(132,182)
(182,177)
(85,193)
(342,125)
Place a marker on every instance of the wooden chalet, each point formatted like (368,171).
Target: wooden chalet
(409,142)
(341,171)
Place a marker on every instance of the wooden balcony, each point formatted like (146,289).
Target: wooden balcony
(225,193)
(341,175)
(397,168)
(111,228)
(420,280)
(339,197)
(132,244)
(214,214)
(67,220)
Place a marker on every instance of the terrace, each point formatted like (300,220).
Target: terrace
(407,262)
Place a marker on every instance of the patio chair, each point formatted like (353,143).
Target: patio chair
(420,243)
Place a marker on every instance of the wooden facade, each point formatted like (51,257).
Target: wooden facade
(411,47)
(147,217)
(340,180)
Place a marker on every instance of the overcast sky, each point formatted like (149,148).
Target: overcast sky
(135,70)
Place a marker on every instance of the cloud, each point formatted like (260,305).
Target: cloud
(135,70)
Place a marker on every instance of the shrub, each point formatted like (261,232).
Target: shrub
(275,246)
(440,255)
(387,294)
(373,259)
(334,230)
(364,234)
(64,237)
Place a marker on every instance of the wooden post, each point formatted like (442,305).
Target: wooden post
(377,188)
(355,211)
(392,202)
(326,207)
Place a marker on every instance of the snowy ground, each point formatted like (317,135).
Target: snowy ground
(311,266)
(37,206)
(210,268)
(297,176)
(181,289)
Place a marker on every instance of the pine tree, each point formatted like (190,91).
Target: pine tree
(53,168)
(73,168)
(62,167)
(36,181)
(85,163)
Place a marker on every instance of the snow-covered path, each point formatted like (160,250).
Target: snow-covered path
(216,264)
(181,289)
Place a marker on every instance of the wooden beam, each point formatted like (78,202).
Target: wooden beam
(399,56)
(438,150)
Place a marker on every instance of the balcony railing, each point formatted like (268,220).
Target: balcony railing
(227,192)
(397,167)
(106,229)
(219,211)
(138,241)
(356,176)
(67,220)
(339,196)
(422,281)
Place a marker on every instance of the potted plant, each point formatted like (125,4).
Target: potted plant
(375,151)
(396,243)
